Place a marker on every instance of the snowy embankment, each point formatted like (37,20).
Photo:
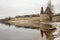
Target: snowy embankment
(57,31)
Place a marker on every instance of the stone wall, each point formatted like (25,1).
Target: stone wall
(44,17)
(56,18)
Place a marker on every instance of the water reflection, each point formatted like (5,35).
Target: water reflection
(19,26)
(13,33)
(23,33)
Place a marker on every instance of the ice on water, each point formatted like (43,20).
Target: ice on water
(57,31)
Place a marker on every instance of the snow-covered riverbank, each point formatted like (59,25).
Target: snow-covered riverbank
(57,31)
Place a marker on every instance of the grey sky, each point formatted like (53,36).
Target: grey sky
(23,7)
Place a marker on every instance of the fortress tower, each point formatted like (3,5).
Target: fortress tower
(46,15)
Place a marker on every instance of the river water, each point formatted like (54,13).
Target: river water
(13,33)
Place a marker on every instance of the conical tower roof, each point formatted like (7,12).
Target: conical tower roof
(48,9)
(42,11)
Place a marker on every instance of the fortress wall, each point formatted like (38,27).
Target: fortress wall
(44,17)
(56,18)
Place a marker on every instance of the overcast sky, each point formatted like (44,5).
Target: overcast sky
(23,7)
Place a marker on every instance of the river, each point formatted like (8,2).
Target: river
(14,33)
